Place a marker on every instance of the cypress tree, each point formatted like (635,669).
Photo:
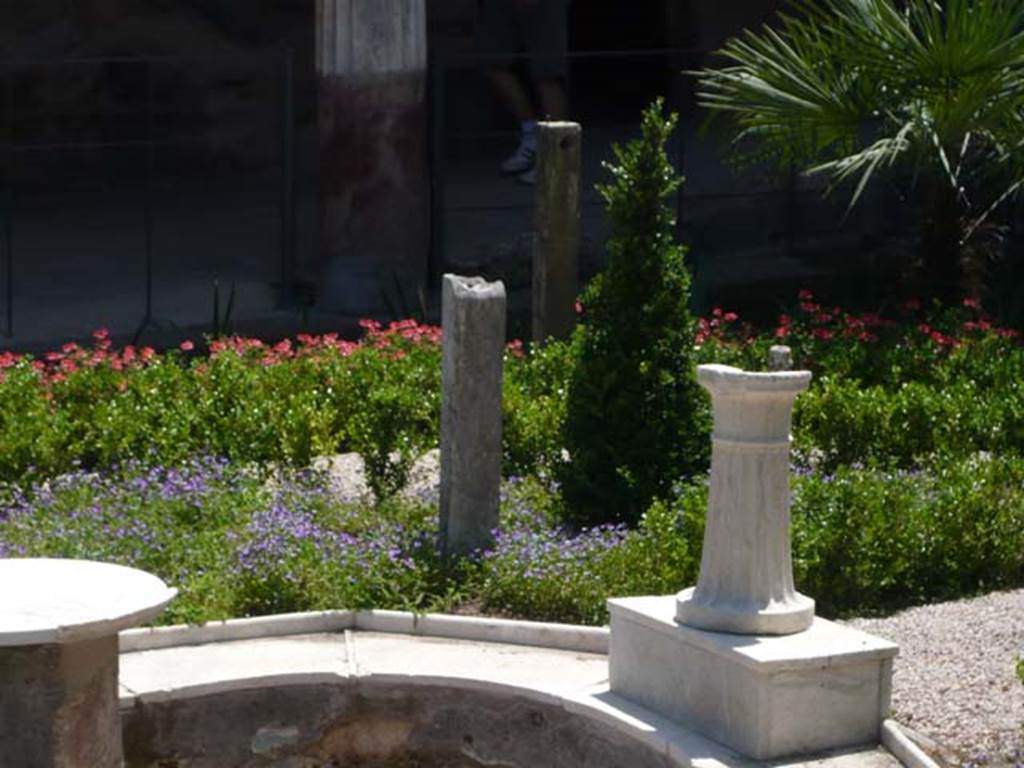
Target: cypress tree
(636,418)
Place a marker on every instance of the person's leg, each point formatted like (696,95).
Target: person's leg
(500,33)
(553,101)
(547,39)
(546,29)
(513,94)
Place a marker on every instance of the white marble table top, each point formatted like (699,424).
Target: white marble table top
(60,601)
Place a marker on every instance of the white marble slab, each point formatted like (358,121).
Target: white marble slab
(60,601)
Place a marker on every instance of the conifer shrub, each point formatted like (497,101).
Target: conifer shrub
(636,419)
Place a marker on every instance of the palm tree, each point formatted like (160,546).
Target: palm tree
(848,88)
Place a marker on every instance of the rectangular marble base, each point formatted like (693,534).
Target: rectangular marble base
(765,697)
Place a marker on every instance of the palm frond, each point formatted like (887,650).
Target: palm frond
(847,88)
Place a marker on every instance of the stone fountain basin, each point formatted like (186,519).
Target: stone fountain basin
(387,689)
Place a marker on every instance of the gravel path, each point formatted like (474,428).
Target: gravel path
(954,679)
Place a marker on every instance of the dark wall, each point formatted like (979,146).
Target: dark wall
(615,25)
(222,85)
(118,27)
(623,83)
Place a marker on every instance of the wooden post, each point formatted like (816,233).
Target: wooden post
(557,230)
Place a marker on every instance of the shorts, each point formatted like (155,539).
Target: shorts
(540,30)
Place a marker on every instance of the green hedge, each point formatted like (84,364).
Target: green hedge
(864,541)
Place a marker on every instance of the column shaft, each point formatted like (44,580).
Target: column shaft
(58,705)
(374,180)
(746,575)
(473,313)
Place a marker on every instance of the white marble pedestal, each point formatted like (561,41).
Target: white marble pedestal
(741,656)
(764,696)
(59,621)
(746,570)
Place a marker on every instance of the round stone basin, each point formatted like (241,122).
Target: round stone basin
(379,689)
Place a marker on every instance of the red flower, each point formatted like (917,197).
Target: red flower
(100,334)
(730,317)
(972,303)
(822,333)
(805,295)
(186,346)
(578,306)
(515,348)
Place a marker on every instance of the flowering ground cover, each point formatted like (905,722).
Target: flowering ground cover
(239,542)
(235,541)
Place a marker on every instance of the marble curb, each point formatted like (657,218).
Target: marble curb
(155,638)
(566,637)
(903,748)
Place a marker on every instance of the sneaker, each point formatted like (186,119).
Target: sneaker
(522,161)
(528,177)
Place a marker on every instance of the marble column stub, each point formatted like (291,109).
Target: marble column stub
(746,574)
(473,323)
(374,180)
